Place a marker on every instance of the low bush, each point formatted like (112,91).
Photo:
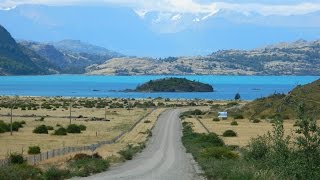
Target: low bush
(34,150)
(234,123)
(60,131)
(16,126)
(216,119)
(147,121)
(257,149)
(85,165)
(50,128)
(256,121)
(82,127)
(73,128)
(19,172)
(131,150)
(40,119)
(238,116)
(54,173)
(218,153)
(16,159)
(229,133)
(42,129)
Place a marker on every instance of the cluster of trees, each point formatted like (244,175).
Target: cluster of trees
(174,85)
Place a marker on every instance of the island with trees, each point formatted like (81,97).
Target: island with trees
(174,85)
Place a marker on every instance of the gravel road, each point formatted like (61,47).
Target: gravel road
(163,158)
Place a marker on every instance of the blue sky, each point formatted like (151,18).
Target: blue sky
(164,27)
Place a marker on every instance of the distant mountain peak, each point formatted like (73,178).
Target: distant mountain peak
(83,47)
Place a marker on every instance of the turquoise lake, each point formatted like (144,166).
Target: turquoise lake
(249,87)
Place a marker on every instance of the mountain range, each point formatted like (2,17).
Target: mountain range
(155,33)
(76,57)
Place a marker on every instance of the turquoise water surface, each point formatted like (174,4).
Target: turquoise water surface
(250,87)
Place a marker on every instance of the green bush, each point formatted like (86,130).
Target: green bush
(50,128)
(234,123)
(40,119)
(147,121)
(60,131)
(54,173)
(130,151)
(218,153)
(257,149)
(256,121)
(16,126)
(34,150)
(87,165)
(229,133)
(16,159)
(82,127)
(216,119)
(73,128)
(19,172)
(42,129)
(22,122)
(238,116)
(4,127)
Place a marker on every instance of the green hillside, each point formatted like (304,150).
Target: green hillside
(174,85)
(13,61)
(286,105)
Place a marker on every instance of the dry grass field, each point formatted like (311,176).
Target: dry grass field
(120,120)
(110,151)
(245,129)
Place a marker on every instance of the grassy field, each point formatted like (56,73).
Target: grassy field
(120,120)
(245,129)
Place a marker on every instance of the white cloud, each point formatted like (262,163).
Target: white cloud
(142,7)
(176,17)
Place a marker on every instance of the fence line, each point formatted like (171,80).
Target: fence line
(34,159)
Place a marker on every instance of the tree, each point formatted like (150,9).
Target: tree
(237,97)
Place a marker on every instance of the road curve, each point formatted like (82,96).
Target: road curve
(163,158)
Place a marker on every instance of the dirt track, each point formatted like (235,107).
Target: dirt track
(164,157)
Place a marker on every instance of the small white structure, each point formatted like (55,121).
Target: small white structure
(223,115)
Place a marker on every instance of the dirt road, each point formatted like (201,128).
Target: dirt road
(164,157)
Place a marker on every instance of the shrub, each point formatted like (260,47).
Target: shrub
(82,127)
(216,119)
(19,171)
(256,121)
(50,128)
(4,127)
(238,116)
(22,122)
(257,148)
(234,123)
(16,126)
(73,128)
(127,153)
(229,133)
(54,173)
(60,131)
(42,129)
(16,159)
(218,153)
(40,119)
(86,165)
(34,150)
(130,151)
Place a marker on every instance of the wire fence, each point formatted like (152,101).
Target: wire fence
(34,159)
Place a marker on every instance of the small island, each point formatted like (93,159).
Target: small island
(174,85)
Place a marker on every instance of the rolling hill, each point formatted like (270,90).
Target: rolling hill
(71,56)
(287,105)
(16,60)
(297,58)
